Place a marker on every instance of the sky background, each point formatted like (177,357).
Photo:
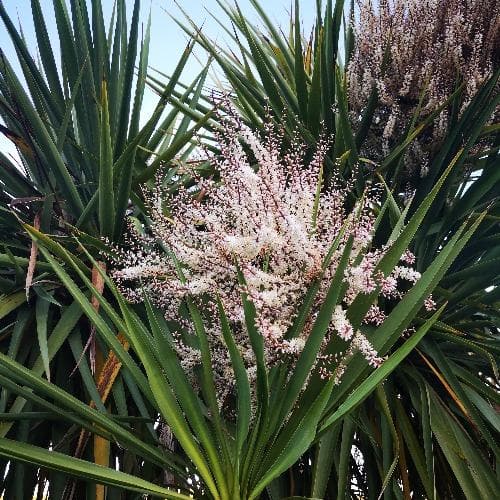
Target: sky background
(168,40)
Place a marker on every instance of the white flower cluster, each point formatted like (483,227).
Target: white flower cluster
(414,53)
(268,218)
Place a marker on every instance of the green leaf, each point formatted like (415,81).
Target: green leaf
(323,462)
(208,386)
(75,343)
(10,302)
(45,50)
(471,470)
(53,460)
(315,338)
(242,384)
(59,334)
(166,401)
(175,147)
(362,302)
(65,124)
(314,99)
(106,188)
(128,54)
(36,389)
(300,73)
(178,380)
(366,387)
(42,318)
(257,343)
(292,442)
(344,456)
(101,326)
(414,447)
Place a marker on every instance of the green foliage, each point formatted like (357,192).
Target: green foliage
(424,424)
(304,83)
(231,464)
(81,153)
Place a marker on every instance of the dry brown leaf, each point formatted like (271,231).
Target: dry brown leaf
(32,261)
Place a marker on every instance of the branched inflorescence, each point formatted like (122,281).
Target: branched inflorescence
(268,219)
(417,53)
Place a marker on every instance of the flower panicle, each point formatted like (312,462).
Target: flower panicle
(262,217)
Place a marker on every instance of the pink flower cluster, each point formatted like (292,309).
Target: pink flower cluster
(269,216)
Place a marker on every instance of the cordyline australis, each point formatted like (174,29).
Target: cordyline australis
(415,54)
(274,288)
(267,230)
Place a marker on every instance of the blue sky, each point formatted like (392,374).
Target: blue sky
(167,38)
